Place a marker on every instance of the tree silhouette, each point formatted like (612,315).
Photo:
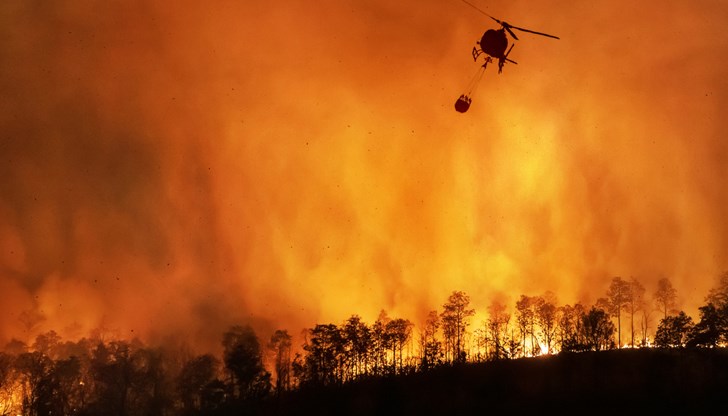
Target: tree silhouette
(497,325)
(280,346)
(114,375)
(634,304)
(398,332)
(380,344)
(430,346)
(154,388)
(618,297)
(195,380)
(10,385)
(673,331)
(324,348)
(482,342)
(357,342)
(36,369)
(598,330)
(50,384)
(67,387)
(645,324)
(718,295)
(525,320)
(48,343)
(455,320)
(119,377)
(243,361)
(665,296)
(579,330)
(710,329)
(546,318)
(512,347)
(713,325)
(129,378)
(570,328)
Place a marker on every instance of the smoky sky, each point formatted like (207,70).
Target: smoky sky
(171,168)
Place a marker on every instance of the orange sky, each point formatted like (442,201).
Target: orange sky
(171,168)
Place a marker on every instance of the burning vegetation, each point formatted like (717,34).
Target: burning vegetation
(184,185)
(97,375)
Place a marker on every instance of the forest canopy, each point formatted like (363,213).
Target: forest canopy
(126,377)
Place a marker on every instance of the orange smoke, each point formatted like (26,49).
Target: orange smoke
(170,169)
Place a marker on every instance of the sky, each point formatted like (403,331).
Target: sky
(172,168)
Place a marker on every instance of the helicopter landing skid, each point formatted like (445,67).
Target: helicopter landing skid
(476,53)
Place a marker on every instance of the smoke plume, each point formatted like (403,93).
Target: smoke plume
(172,168)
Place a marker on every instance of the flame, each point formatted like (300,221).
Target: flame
(172,169)
(11,397)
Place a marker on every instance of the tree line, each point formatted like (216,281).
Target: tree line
(93,376)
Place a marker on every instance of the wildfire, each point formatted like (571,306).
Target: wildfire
(11,398)
(171,169)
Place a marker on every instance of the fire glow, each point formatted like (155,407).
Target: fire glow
(170,168)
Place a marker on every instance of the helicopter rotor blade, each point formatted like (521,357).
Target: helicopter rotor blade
(478,9)
(531,31)
(508,27)
(484,13)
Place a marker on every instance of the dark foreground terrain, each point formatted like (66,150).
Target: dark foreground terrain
(643,381)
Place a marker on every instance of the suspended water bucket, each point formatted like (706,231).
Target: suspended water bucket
(462,104)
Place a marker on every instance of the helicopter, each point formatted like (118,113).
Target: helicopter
(493,44)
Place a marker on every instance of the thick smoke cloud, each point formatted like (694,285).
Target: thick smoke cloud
(171,168)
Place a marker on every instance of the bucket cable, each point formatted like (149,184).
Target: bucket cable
(475,81)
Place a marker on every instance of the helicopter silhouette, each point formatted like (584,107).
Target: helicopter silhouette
(493,45)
